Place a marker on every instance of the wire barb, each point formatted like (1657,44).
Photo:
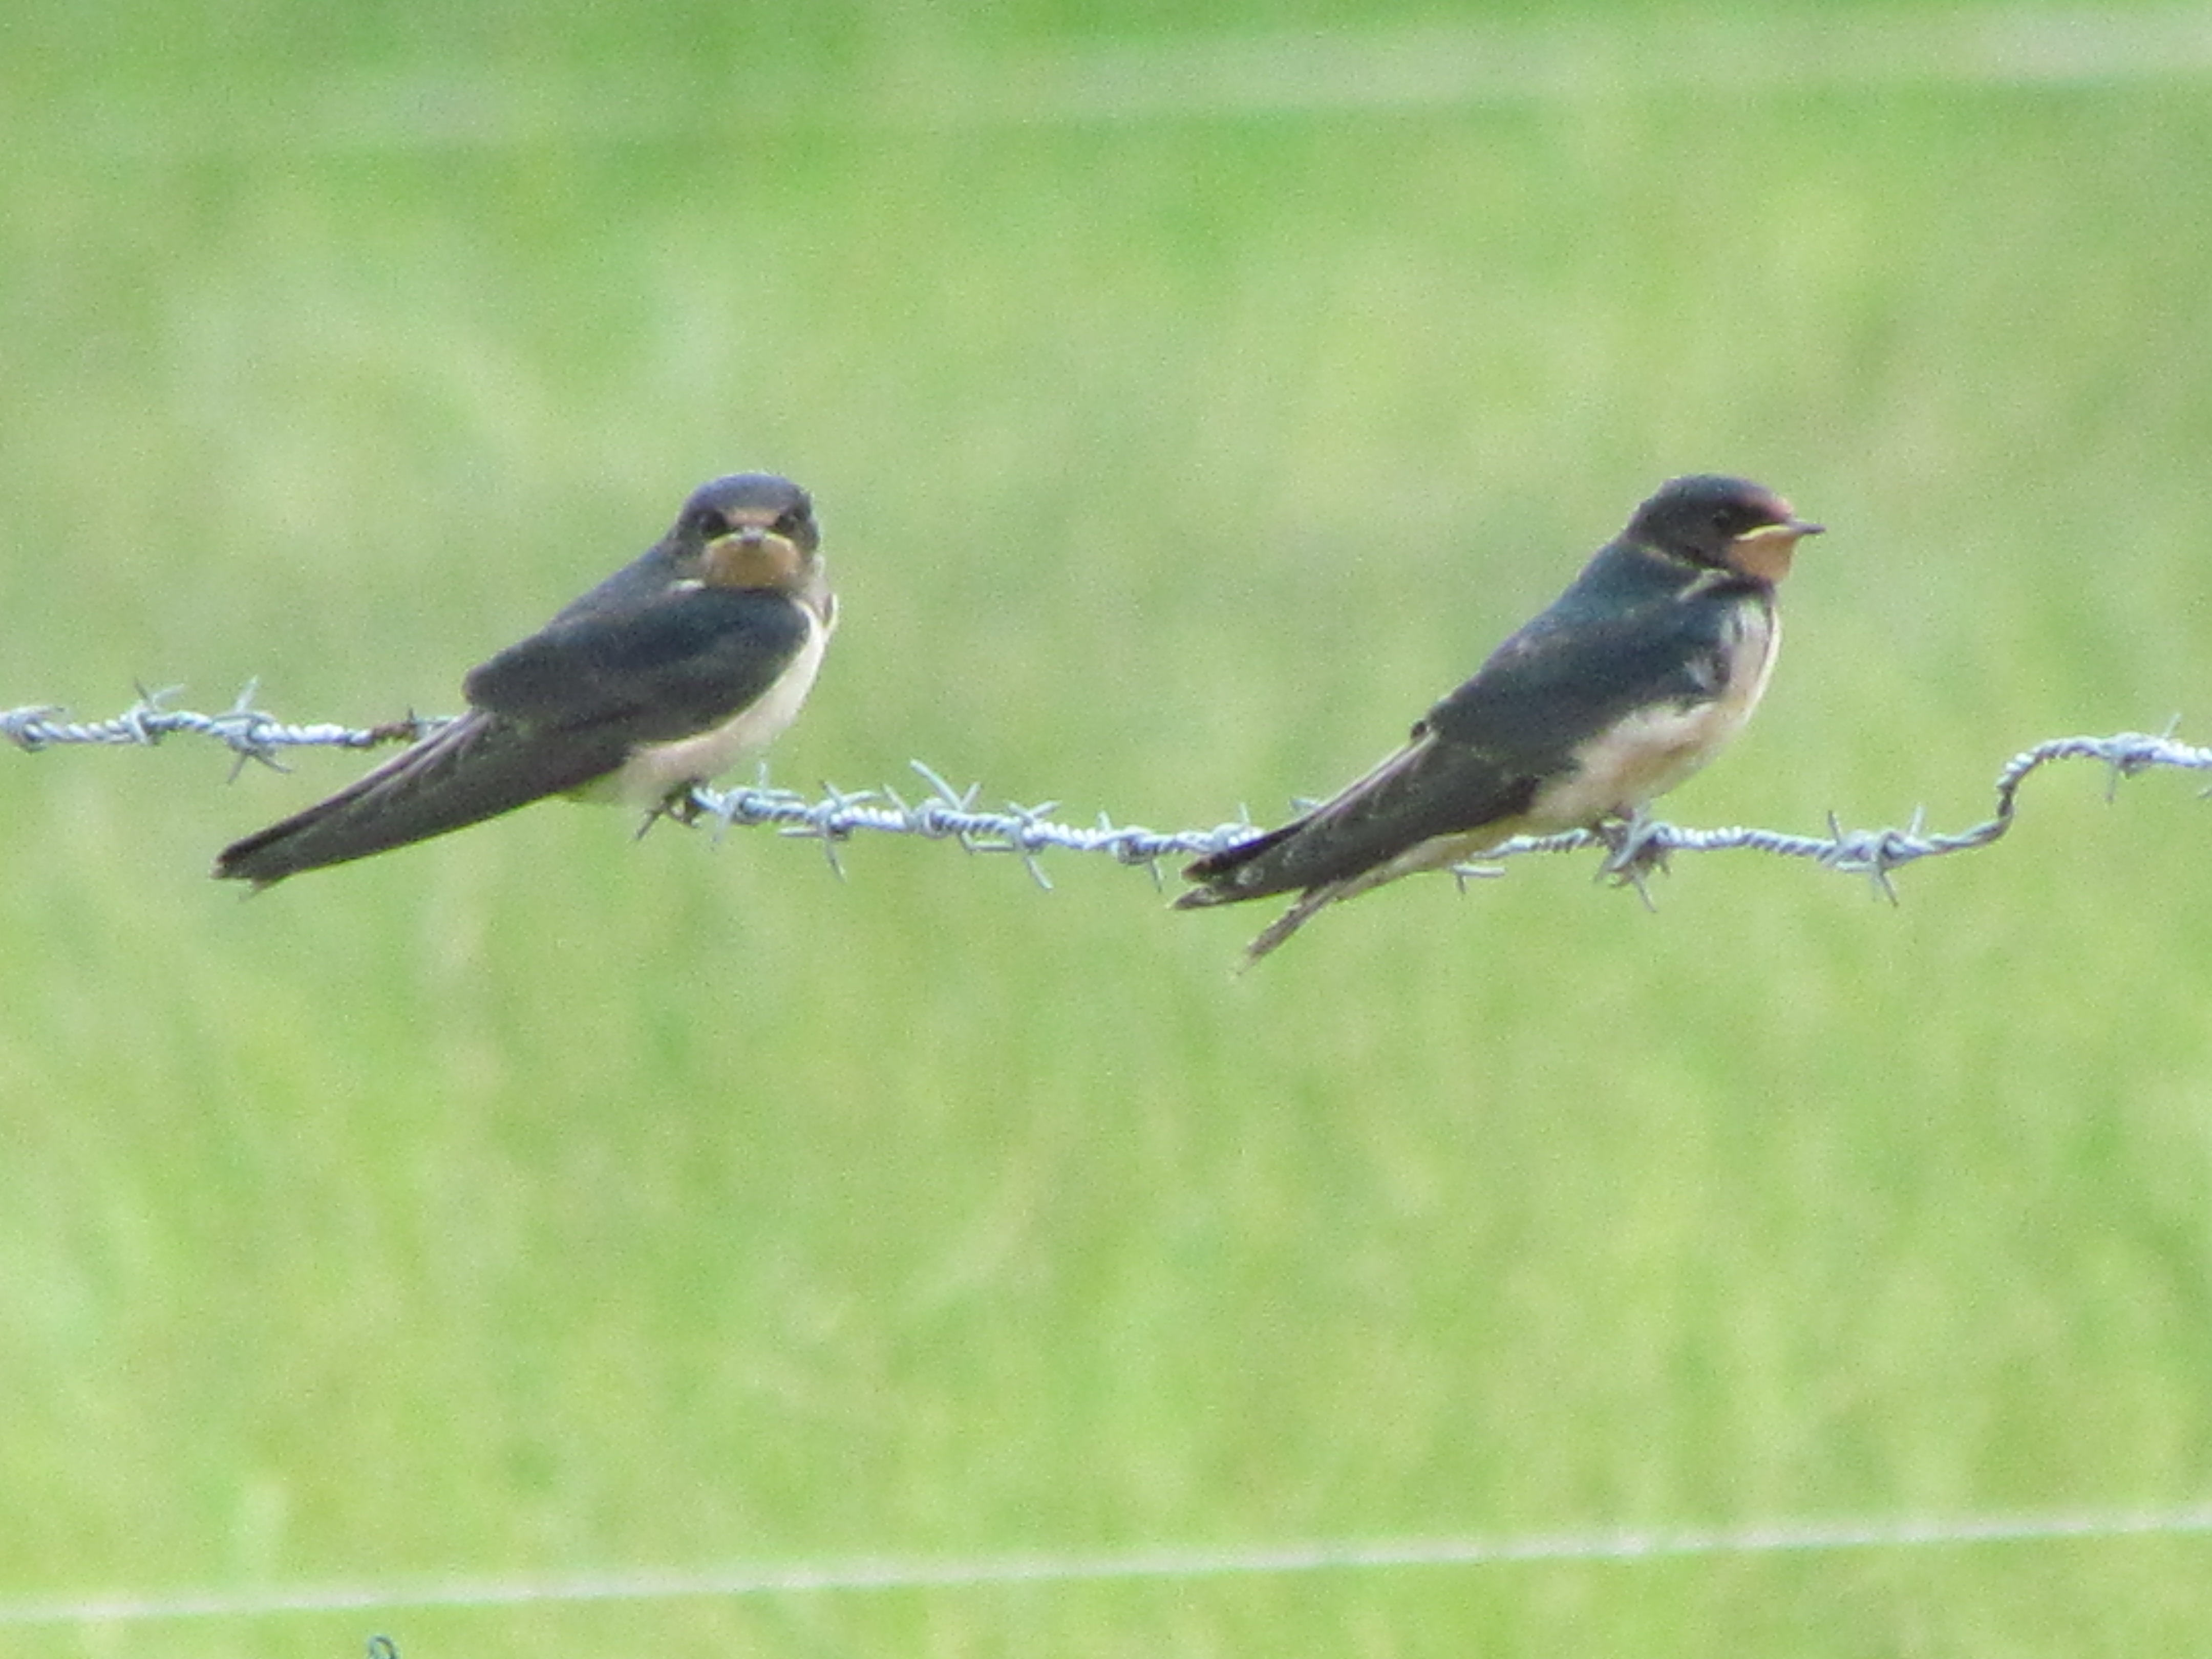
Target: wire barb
(944,813)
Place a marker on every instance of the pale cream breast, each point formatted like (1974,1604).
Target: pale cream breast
(1643,757)
(656,770)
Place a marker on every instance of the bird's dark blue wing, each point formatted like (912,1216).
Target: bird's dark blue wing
(1552,688)
(678,666)
(1480,754)
(475,768)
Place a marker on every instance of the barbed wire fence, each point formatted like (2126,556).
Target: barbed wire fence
(939,810)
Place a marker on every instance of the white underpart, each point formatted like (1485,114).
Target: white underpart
(1647,755)
(1637,760)
(655,771)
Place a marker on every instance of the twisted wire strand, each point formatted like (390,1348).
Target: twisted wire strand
(943,812)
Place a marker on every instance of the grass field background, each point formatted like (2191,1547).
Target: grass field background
(1190,395)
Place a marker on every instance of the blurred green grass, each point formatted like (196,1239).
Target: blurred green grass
(537,1201)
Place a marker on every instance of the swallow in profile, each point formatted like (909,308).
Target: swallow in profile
(1632,679)
(677,667)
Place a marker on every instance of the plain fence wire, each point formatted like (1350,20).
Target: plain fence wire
(1185,74)
(938,810)
(849,1575)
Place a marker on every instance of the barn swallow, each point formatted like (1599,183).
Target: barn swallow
(695,655)
(1632,679)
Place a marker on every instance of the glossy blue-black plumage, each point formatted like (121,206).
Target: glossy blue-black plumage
(651,654)
(1652,622)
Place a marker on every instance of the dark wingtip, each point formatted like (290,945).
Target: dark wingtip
(258,857)
(225,870)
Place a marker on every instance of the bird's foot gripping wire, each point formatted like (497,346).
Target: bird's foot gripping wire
(681,806)
(1636,849)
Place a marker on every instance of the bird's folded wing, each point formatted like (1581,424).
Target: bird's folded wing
(677,667)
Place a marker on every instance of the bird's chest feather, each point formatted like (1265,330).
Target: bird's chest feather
(1649,750)
(655,770)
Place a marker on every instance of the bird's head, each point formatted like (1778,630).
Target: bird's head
(1722,524)
(752,529)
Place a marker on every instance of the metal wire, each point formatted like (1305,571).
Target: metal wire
(945,812)
(253,734)
(942,811)
(851,1575)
